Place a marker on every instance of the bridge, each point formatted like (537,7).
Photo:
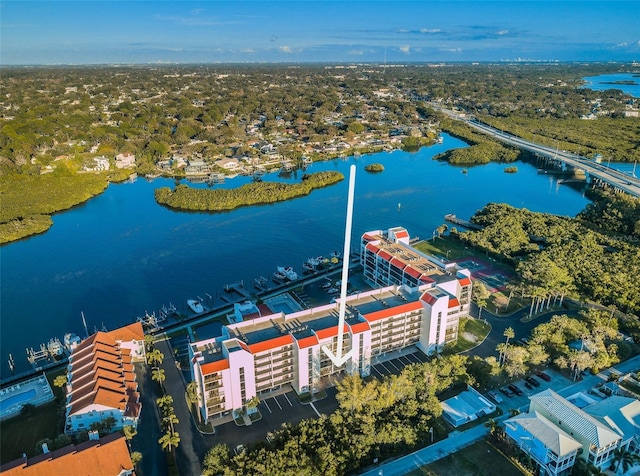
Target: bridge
(619,181)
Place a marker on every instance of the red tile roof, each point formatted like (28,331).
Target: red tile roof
(453,302)
(412,272)
(384,255)
(373,248)
(271,344)
(429,298)
(426,279)
(464,282)
(108,456)
(360,327)
(397,263)
(212,367)
(393,311)
(329,332)
(402,234)
(128,333)
(307,342)
(368,237)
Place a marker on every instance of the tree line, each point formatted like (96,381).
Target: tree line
(184,197)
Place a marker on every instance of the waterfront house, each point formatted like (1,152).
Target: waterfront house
(228,164)
(107,456)
(125,160)
(102,382)
(411,305)
(552,417)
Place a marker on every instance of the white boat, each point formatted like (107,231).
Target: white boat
(71,341)
(288,272)
(195,306)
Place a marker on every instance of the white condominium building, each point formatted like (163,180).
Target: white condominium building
(266,351)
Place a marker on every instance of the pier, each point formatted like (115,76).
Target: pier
(450,217)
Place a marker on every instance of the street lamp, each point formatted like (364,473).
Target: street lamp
(448,251)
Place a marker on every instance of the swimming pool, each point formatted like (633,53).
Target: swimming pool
(22,397)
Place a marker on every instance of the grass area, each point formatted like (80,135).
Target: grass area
(446,247)
(479,459)
(477,331)
(20,434)
(203,427)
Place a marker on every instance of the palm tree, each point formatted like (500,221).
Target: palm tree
(509,333)
(158,375)
(622,456)
(129,433)
(60,381)
(155,357)
(170,420)
(165,401)
(169,440)
(192,397)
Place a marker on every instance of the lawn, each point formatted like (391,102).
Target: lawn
(479,459)
(446,247)
(475,331)
(20,434)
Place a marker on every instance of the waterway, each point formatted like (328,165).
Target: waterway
(604,82)
(120,254)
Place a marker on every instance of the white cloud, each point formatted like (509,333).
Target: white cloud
(430,30)
(248,50)
(284,49)
(502,32)
(452,50)
(355,52)
(405,49)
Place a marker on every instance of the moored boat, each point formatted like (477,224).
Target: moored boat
(195,306)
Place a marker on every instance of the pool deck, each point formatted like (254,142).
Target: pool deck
(43,394)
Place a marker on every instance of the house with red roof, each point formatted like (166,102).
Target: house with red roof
(101,380)
(107,456)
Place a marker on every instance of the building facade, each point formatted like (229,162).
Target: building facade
(102,382)
(266,351)
(556,431)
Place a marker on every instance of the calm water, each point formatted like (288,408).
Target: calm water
(121,254)
(597,83)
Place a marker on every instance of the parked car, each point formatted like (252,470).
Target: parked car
(532,381)
(528,385)
(495,397)
(506,391)
(543,376)
(515,389)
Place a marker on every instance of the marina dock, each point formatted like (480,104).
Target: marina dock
(450,217)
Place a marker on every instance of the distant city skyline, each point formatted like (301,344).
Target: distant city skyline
(98,32)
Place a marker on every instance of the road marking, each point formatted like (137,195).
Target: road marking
(394,365)
(378,372)
(315,409)
(285,396)
(266,405)
(277,402)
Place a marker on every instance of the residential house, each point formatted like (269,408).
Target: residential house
(107,456)
(593,435)
(125,160)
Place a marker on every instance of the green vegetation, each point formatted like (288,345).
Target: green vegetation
(187,198)
(471,332)
(375,419)
(374,168)
(20,434)
(558,256)
(482,149)
(28,200)
(479,459)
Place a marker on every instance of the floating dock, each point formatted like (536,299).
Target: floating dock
(459,221)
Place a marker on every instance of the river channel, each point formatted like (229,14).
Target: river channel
(120,254)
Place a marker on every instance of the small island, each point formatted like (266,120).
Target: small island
(511,170)
(374,168)
(628,82)
(186,198)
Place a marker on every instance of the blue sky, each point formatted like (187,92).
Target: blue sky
(90,32)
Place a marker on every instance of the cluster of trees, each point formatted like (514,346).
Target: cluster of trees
(557,256)
(170,439)
(375,419)
(184,197)
(29,200)
(482,149)
(374,167)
